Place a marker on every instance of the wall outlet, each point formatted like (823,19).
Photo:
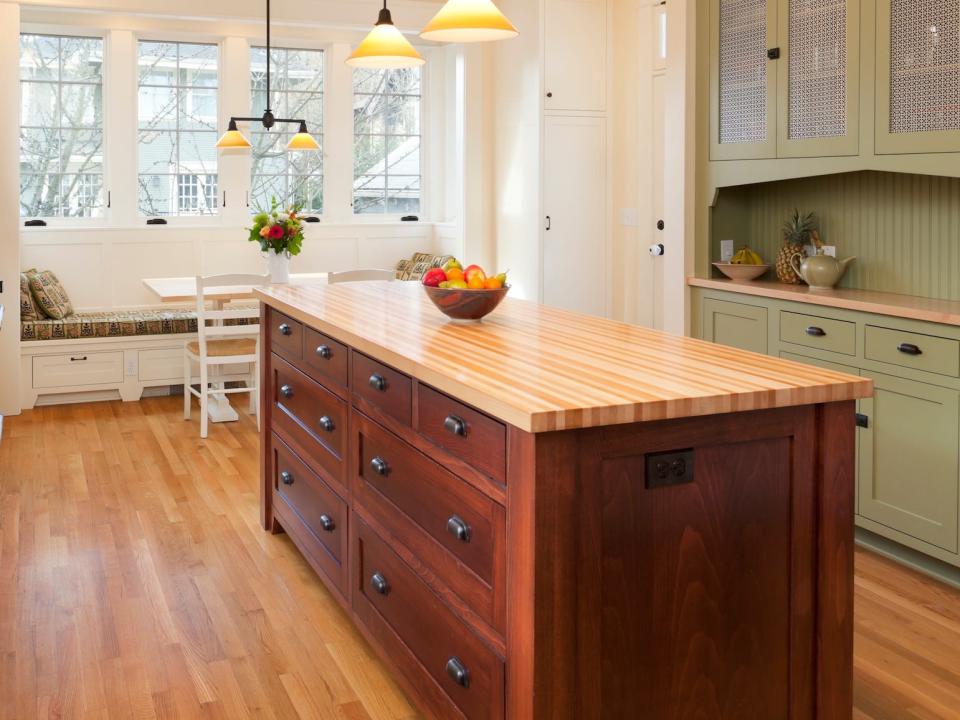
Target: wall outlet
(726,250)
(132,369)
(830,250)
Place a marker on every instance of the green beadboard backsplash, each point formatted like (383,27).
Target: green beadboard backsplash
(903,229)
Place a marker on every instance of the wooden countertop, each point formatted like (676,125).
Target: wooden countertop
(911,307)
(543,369)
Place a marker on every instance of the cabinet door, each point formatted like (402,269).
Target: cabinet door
(909,459)
(735,324)
(575,55)
(819,78)
(575,204)
(918,76)
(743,81)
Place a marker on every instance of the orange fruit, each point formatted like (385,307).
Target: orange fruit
(454,274)
(493,283)
(475,282)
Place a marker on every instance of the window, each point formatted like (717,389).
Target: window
(296,87)
(386,141)
(61,126)
(177,123)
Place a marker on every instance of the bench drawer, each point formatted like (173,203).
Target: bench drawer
(837,336)
(913,350)
(388,389)
(286,336)
(388,595)
(82,368)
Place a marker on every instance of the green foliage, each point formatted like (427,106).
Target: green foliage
(278,231)
(799,229)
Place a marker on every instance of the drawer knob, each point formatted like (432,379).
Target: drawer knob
(286,478)
(378,382)
(455,425)
(458,528)
(380,466)
(325,352)
(458,672)
(814,331)
(326,522)
(286,391)
(285,329)
(379,583)
(327,424)
(909,349)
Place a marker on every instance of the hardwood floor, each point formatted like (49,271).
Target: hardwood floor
(135,582)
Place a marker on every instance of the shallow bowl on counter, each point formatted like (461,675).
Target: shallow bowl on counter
(741,272)
(466,304)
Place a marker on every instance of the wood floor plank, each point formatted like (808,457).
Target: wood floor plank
(136,584)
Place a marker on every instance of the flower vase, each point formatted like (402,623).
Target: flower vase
(278,265)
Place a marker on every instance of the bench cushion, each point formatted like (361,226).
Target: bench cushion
(124,323)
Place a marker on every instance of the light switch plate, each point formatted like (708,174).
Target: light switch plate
(726,250)
(629,217)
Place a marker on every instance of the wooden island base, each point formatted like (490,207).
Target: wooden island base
(689,567)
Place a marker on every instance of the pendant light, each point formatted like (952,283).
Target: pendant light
(463,21)
(385,47)
(233,138)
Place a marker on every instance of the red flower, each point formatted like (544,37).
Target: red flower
(276,232)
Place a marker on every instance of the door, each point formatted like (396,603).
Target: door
(918,76)
(735,324)
(575,202)
(575,55)
(743,79)
(818,78)
(909,470)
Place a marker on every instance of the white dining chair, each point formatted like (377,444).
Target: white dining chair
(359,275)
(221,343)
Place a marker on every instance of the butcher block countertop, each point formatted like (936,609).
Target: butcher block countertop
(543,369)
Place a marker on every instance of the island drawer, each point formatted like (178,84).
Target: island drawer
(380,385)
(467,433)
(913,350)
(311,416)
(321,512)
(324,358)
(286,335)
(395,604)
(837,336)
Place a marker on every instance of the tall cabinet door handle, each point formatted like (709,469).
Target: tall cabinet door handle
(549,222)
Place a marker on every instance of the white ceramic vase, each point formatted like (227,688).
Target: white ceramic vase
(278,265)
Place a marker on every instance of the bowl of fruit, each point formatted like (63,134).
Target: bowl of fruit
(464,293)
(745,265)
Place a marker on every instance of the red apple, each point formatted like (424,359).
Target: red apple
(434,276)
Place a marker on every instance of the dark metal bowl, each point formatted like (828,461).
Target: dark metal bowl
(465,304)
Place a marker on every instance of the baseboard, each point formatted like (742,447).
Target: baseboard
(913,559)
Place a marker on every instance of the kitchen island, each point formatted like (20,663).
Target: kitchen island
(551,515)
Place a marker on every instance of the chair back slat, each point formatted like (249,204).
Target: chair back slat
(360,275)
(211,322)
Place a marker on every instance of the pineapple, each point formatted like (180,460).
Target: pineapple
(797,232)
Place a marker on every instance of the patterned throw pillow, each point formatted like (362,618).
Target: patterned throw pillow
(29,312)
(50,295)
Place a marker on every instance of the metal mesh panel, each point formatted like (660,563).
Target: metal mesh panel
(818,69)
(924,65)
(743,71)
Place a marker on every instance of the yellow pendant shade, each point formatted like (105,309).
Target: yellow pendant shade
(233,138)
(385,47)
(463,21)
(303,140)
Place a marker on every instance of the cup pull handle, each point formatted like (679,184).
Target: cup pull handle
(815,331)
(909,349)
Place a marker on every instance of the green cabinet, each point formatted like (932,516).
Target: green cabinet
(910,459)
(735,324)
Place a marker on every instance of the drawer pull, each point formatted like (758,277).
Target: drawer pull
(455,425)
(78,359)
(285,329)
(379,583)
(286,478)
(325,352)
(327,424)
(458,672)
(378,382)
(380,466)
(814,331)
(286,391)
(326,522)
(862,421)
(458,528)
(909,349)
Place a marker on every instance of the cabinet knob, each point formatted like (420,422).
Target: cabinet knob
(379,583)
(325,352)
(773,53)
(285,329)
(909,349)
(326,522)
(862,420)
(549,94)
(378,382)
(458,672)
(327,424)
(814,331)
(458,528)
(286,391)
(380,466)
(286,478)
(455,425)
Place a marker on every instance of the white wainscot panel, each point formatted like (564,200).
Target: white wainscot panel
(326,253)
(383,251)
(131,262)
(79,266)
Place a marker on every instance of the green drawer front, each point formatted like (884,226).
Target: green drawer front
(822,333)
(936,354)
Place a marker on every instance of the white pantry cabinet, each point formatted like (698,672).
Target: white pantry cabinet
(575,55)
